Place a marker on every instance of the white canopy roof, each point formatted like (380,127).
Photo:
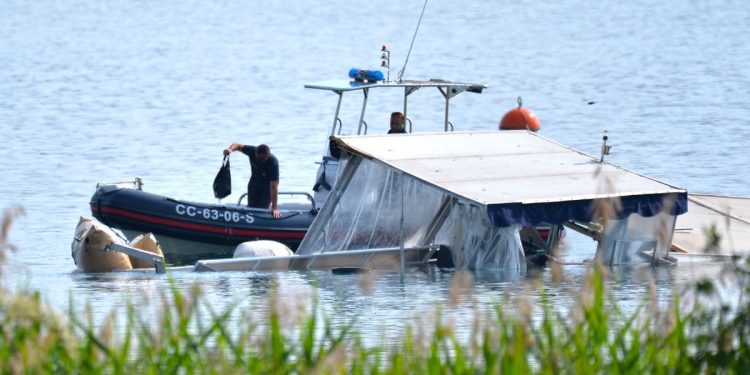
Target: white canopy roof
(351,85)
(503,167)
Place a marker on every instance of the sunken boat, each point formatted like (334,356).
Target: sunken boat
(468,197)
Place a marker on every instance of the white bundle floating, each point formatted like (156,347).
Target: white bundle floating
(264,248)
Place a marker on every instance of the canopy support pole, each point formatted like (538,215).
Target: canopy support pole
(447,95)
(366,92)
(406,96)
(336,115)
(401,231)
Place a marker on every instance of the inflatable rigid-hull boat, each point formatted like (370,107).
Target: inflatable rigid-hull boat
(190,231)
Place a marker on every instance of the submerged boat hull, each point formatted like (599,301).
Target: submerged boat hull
(188,231)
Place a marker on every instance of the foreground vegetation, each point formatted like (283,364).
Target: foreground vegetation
(189,337)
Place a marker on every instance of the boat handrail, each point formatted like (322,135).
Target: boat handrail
(137,183)
(408,120)
(364,123)
(450,124)
(292,193)
(306,194)
(338,120)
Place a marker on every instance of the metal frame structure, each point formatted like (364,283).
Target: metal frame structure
(362,259)
(156,260)
(447,89)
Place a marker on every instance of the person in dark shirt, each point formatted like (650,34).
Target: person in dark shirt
(397,123)
(263,187)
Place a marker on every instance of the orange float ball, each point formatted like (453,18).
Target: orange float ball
(518,119)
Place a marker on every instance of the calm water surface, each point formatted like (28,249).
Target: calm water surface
(97,91)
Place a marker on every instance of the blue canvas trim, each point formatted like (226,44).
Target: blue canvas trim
(503,215)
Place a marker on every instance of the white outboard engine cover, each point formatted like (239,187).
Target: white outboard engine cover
(263,248)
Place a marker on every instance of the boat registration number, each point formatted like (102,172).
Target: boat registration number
(213,214)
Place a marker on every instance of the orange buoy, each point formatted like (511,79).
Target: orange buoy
(520,119)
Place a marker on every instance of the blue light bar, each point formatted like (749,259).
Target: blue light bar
(366,75)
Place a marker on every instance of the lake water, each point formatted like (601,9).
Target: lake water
(107,91)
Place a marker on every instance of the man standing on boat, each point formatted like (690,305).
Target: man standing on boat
(397,123)
(263,187)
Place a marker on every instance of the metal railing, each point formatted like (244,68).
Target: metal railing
(290,193)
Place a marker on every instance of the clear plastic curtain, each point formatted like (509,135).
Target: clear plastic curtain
(368,213)
(365,213)
(476,244)
(636,239)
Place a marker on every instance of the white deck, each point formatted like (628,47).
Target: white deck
(729,215)
(504,167)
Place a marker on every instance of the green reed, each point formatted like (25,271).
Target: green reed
(188,336)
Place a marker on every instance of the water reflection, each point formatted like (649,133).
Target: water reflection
(378,301)
(424,287)
(498,276)
(115,282)
(260,284)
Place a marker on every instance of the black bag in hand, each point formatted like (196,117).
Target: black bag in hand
(223,180)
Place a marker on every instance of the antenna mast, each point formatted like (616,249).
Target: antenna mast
(401,72)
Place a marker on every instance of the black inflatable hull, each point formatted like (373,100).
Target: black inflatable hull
(189,231)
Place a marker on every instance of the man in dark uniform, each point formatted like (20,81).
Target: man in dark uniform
(397,123)
(263,187)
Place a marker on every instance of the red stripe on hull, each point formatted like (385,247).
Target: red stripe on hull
(202,227)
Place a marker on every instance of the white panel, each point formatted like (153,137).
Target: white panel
(504,167)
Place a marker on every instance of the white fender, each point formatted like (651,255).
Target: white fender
(262,248)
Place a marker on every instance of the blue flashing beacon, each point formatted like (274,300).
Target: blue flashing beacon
(361,75)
